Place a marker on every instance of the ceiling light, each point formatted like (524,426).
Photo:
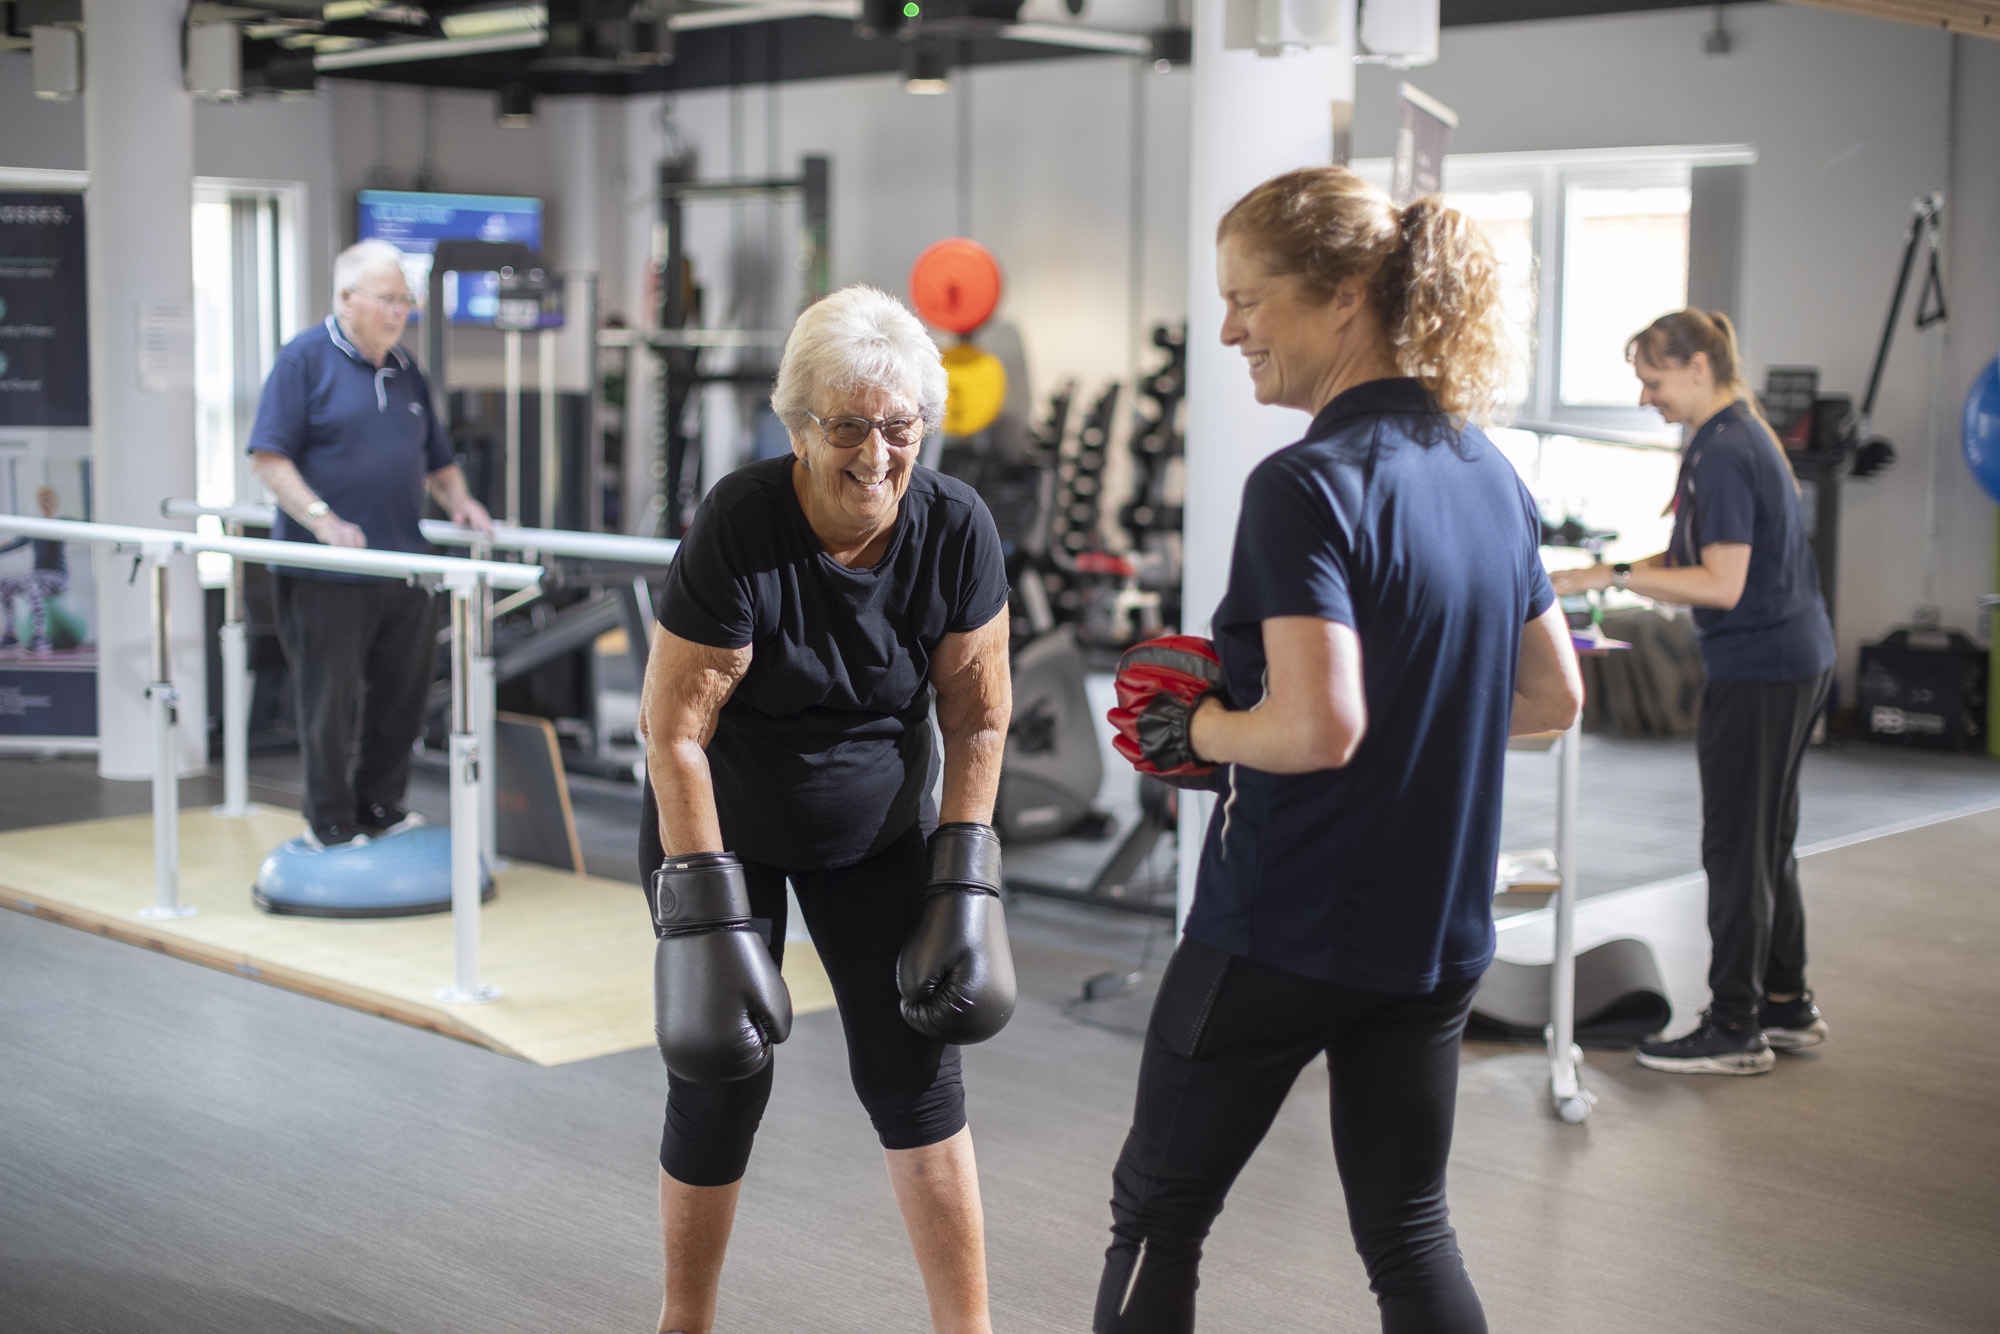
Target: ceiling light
(517,106)
(496,22)
(926,68)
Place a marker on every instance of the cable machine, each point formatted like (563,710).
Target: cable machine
(678,338)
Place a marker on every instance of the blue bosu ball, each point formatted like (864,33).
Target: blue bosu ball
(1982,429)
(399,876)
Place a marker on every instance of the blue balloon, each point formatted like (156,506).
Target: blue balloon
(1982,428)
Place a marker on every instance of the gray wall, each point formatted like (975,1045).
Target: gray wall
(1850,118)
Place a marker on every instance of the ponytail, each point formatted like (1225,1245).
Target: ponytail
(1430,274)
(1440,295)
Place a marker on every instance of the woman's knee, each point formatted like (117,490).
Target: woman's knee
(710,1128)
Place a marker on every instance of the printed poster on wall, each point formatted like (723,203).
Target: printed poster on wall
(48,646)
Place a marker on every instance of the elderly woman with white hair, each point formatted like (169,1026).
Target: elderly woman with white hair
(818,601)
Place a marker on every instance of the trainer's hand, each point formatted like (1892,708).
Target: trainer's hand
(1160,685)
(956,972)
(334,531)
(1584,580)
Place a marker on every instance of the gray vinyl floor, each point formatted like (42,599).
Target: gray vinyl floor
(184,1151)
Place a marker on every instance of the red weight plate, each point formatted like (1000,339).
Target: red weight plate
(955,285)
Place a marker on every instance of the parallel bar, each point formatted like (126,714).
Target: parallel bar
(306,555)
(506,537)
(467,781)
(167,903)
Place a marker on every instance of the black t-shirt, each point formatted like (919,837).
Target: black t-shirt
(823,755)
(1734,487)
(1422,539)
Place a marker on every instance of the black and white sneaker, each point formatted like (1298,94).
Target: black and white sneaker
(344,834)
(1792,1025)
(1712,1049)
(379,821)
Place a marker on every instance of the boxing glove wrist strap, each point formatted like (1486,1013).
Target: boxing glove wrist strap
(705,890)
(965,855)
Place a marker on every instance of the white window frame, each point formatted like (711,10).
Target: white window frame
(1548,176)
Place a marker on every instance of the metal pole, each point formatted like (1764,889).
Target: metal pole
(484,683)
(167,904)
(1571,1100)
(551,467)
(466,782)
(235,695)
(511,346)
(590,512)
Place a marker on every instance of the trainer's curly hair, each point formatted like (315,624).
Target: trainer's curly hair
(1429,271)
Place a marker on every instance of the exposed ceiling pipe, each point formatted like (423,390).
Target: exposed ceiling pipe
(398,53)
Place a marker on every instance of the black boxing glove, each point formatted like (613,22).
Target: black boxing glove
(956,972)
(719,1005)
(1160,684)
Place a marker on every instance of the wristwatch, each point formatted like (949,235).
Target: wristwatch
(319,509)
(1621,575)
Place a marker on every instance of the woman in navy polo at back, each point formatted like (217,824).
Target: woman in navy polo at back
(1739,556)
(1387,624)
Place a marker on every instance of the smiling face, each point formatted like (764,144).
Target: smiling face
(1292,341)
(851,495)
(1683,394)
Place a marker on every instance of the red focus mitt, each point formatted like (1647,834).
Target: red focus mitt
(1160,684)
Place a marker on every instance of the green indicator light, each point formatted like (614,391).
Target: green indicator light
(912,9)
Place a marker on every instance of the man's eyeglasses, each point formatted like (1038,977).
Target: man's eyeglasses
(394,300)
(852,432)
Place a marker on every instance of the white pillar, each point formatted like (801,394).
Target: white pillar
(1254,116)
(139,145)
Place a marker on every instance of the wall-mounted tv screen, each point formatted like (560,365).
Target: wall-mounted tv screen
(414,222)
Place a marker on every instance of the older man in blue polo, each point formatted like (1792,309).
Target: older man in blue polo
(347,443)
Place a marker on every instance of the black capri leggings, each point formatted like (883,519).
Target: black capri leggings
(859,917)
(1227,1039)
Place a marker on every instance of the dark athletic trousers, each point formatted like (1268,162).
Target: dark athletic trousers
(361,657)
(859,917)
(1227,1039)
(1751,739)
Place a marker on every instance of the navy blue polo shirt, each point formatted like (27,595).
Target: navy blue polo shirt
(1735,486)
(363,437)
(1420,536)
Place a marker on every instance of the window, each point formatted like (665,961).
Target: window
(1593,247)
(246,303)
(1624,264)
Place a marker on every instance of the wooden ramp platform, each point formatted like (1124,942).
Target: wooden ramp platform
(571,954)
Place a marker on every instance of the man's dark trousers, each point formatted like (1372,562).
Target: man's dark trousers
(1750,742)
(361,656)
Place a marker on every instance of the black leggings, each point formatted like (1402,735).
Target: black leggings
(859,917)
(1227,1039)
(1750,741)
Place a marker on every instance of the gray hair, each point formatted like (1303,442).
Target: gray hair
(858,336)
(361,259)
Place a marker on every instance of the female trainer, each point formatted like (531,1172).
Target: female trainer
(1740,558)
(816,603)
(1387,624)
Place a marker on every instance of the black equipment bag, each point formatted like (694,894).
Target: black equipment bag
(1922,688)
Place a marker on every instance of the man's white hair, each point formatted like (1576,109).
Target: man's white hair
(361,259)
(857,337)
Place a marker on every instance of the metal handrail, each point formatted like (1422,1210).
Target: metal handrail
(469,582)
(453,570)
(505,537)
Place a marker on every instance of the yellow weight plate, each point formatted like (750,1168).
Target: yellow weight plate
(978,388)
